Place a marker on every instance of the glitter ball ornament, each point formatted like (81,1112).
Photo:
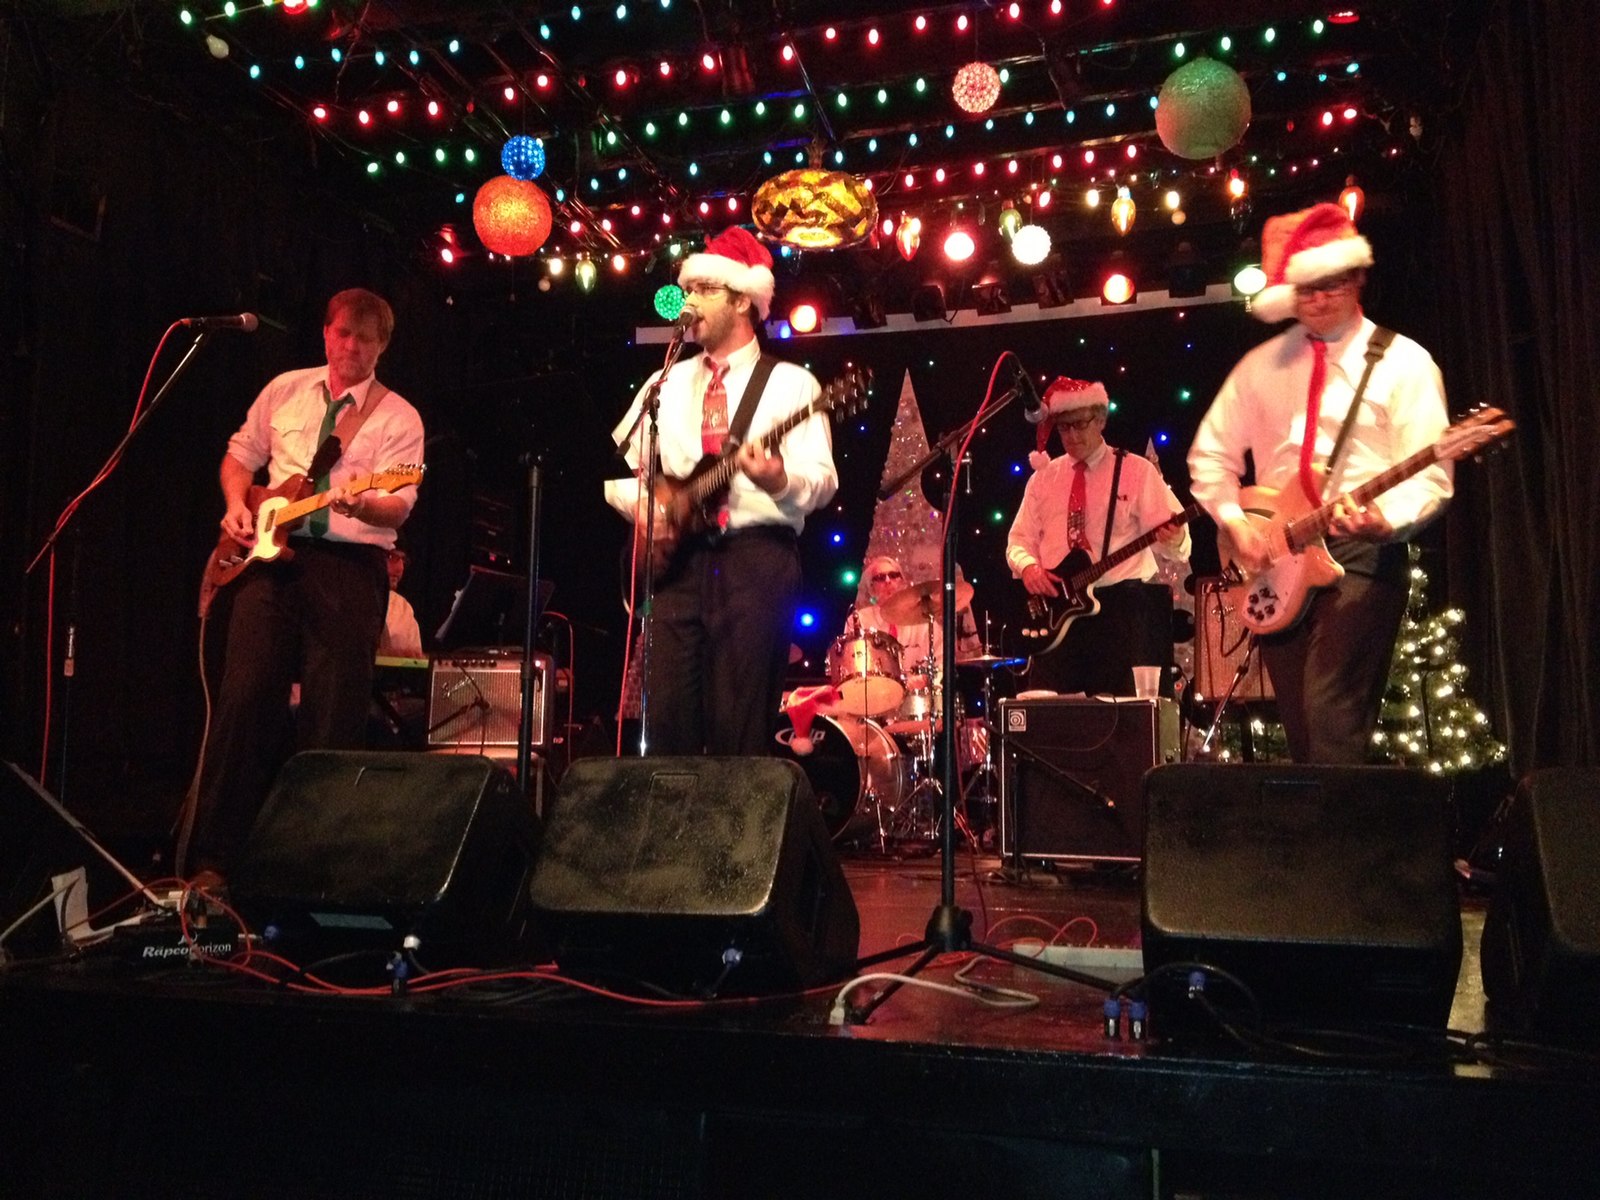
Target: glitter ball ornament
(1031,245)
(523,157)
(1203,109)
(669,302)
(512,216)
(976,87)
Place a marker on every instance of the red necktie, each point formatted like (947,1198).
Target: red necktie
(1078,507)
(714,410)
(1308,446)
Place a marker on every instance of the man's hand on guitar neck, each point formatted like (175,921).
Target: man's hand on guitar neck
(1363,521)
(764,467)
(1040,582)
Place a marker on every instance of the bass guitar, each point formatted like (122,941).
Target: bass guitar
(276,511)
(687,506)
(1051,616)
(1276,597)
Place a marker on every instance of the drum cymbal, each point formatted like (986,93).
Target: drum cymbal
(920,601)
(989,661)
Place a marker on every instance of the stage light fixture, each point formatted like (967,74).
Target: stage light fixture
(805,317)
(1186,273)
(1117,285)
(959,246)
(927,302)
(869,310)
(989,298)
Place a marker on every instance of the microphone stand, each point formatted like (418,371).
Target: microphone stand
(525,715)
(649,412)
(65,522)
(949,928)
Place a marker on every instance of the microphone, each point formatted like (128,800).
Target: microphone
(244,322)
(1032,407)
(685,319)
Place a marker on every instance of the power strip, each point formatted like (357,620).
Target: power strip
(1116,963)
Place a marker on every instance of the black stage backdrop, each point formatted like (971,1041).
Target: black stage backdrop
(120,216)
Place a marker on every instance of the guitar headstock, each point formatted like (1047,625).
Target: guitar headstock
(847,393)
(400,475)
(1475,432)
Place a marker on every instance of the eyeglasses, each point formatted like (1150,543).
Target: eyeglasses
(885,576)
(1325,287)
(705,289)
(1078,424)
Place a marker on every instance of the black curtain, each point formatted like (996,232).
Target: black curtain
(1519,288)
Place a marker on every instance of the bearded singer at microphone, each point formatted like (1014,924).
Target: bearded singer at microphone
(315,619)
(724,602)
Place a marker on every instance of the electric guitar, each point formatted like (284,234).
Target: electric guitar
(276,511)
(684,507)
(1276,597)
(1052,616)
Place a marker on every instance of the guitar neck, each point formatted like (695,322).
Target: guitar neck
(1122,554)
(300,508)
(1315,523)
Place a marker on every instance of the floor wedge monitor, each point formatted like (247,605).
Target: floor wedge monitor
(700,875)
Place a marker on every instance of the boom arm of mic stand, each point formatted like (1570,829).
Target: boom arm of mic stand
(944,444)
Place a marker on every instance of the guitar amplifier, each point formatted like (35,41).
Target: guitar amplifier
(1072,775)
(1221,642)
(475,699)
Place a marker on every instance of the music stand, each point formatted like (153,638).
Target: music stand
(489,606)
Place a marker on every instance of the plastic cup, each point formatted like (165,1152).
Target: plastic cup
(1146,682)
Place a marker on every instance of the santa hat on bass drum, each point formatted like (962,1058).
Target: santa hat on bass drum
(1304,247)
(734,260)
(1064,395)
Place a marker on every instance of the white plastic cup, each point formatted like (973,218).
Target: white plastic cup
(1146,682)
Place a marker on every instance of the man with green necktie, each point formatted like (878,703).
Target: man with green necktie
(314,617)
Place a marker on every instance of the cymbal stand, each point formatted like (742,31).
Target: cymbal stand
(949,927)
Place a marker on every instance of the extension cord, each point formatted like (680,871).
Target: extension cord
(1116,963)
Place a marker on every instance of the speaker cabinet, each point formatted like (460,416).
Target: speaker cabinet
(1071,775)
(1327,890)
(1541,937)
(1221,643)
(474,702)
(355,850)
(704,875)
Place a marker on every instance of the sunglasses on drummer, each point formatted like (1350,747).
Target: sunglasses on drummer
(885,576)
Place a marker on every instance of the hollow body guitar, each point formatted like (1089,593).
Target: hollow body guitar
(687,506)
(1277,596)
(1049,617)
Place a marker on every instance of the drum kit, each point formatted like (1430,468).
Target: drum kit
(871,765)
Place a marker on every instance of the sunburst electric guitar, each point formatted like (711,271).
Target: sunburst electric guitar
(276,511)
(1049,617)
(686,506)
(1276,597)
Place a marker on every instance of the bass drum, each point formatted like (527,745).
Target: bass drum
(856,771)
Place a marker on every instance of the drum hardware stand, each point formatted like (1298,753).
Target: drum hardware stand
(949,928)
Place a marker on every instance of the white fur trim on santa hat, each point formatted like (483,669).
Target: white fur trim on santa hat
(1064,395)
(1273,304)
(1330,258)
(732,260)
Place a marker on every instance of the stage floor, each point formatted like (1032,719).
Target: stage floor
(182,1079)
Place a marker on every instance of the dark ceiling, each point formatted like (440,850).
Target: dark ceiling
(661,117)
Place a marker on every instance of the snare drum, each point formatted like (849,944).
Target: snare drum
(866,670)
(856,771)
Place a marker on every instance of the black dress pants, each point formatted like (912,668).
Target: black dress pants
(720,635)
(315,619)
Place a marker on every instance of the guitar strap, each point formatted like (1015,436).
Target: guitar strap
(344,432)
(1111,504)
(1376,346)
(751,398)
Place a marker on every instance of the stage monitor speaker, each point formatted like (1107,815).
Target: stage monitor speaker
(1541,937)
(356,850)
(1072,771)
(475,700)
(1328,891)
(1221,643)
(700,875)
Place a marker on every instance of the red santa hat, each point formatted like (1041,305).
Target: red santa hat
(802,706)
(1304,247)
(734,260)
(1064,395)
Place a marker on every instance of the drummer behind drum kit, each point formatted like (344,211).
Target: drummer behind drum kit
(872,743)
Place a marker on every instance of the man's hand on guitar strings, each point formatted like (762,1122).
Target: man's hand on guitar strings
(764,467)
(1039,581)
(1364,521)
(1250,549)
(238,524)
